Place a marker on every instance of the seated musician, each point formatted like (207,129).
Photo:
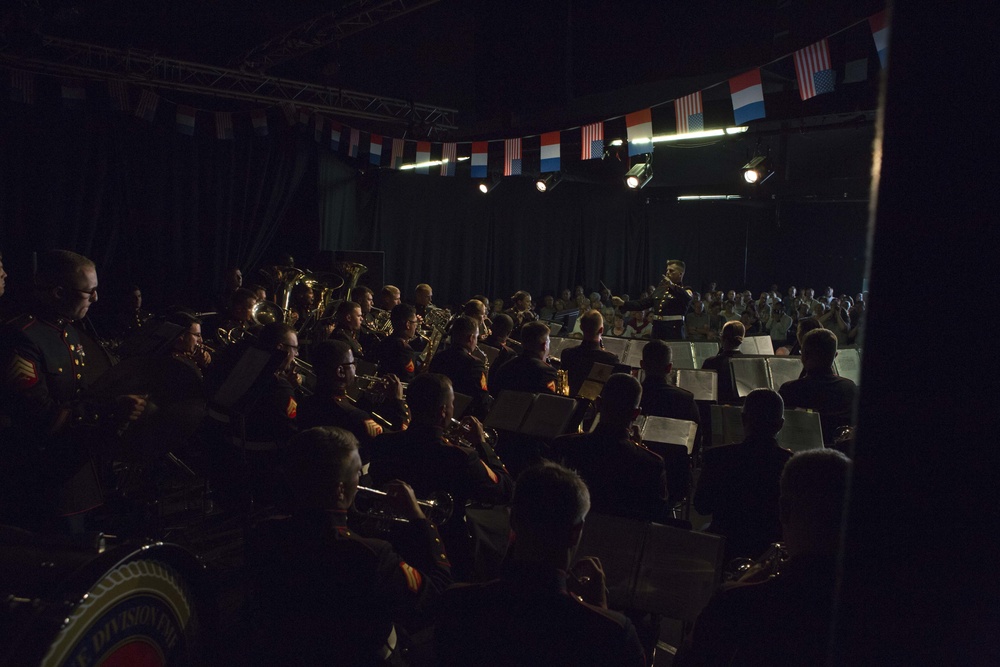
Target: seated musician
(502,326)
(232,280)
(625,478)
(50,426)
(347,326)
(783,619)
(466,371)
(422,296)
(476,309)
(397,354)
(423,457)
(532,615)
(578,360)
(738,484)
(388,297)
(189,345)
(329,405)
(820,388)
(321,594)
(731,339)
(528,371)
(662,399)
(237,321)
(520,312)
(301,305)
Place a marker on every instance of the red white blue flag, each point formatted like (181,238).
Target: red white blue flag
(352,148)
(639,131)
(335,129)
(480,159)
(185,120)
(880,33)
(748,96)
(592,141)
(813,71)
(512,157)
(449,155)
(423,155)
(223,125)
(258,118)
(550,152)
(690,117)
(375,150)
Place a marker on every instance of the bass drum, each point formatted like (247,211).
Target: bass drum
(128,605)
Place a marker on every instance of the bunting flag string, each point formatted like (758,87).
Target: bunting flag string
(815,75)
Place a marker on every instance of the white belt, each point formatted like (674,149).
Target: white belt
(668,318)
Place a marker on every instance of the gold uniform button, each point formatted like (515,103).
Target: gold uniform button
(79,377)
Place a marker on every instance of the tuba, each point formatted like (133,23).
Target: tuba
(265,312)
(353,271)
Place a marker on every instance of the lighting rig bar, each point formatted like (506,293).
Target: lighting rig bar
(82,60)
(326,29)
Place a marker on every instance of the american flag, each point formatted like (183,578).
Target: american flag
(147,105)
(223,125)
(512,157)
(396,159)
(592,141)
(689,113)
(813,71)
(449,152)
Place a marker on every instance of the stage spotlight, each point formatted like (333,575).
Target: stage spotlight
(548,182)
(757,170)
(639,175)
(487,185)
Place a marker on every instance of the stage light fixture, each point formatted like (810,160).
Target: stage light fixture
(486,186)
(639,175)
(548,182)
(757,170)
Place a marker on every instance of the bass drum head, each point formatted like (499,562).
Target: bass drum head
(139,610)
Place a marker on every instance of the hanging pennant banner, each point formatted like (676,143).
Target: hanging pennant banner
(813,71)
(639,131)
(592,141)
(748,96)
(550,152)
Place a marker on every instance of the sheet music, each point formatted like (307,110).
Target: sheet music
(633,353)
(616,346)
(848,365)
(557,345)
(683,355)
(554,328)
(703,384)
(548,416)
(669,431)
(678,571)
(783,369)
(509,410)
(802,431)
(749,374)
(618,543)
(702,351)
(590,390)
(757,345)
(600,372)
(727,424)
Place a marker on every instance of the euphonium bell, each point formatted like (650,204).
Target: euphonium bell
(265,312)
(438,508)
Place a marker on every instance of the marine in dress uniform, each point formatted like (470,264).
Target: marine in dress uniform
(466,372)
(396,354)
(669,304)
(528,371)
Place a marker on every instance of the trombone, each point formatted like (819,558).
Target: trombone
(438,508)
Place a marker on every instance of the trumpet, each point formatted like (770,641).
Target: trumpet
(438,508)
(371,383)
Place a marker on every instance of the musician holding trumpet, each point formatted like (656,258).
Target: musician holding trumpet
(669,303)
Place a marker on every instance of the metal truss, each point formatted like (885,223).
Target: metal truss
(90,61)
(352,18)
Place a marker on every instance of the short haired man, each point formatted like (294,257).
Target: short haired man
(422,297)
(529,370)
(738,485)
(426,459)
(334,365)
(669,303)
(529,616)
(731,338)
(783,619)
(466,371)
(388,297)
(625,478)
(325,594)
(189,345)
(520,312)
(49,429)
(498,338)
(396,354)
(347,326)
(578,360)
(820,389)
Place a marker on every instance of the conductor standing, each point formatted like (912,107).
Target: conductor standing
(669,303)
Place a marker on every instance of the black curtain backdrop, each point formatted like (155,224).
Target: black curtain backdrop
(168,212)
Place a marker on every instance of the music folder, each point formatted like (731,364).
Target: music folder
(703,384)
(667,431)
(539,415)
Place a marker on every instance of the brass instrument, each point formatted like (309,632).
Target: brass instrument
(436,318)
(227,337)
(371,382)
(265,312)
(353,271)
(438,508)
(382,324)
(456,433)
(562,382)
(432,345)
(747,571)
